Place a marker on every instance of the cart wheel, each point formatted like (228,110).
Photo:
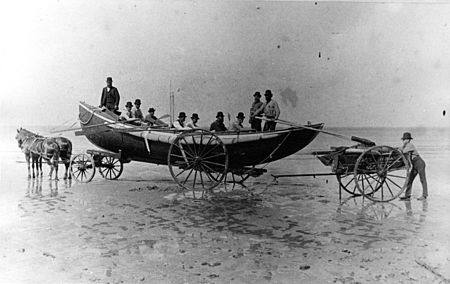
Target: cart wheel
(346,182)
(198,161)
(383,173)
(110,167)
(82,168)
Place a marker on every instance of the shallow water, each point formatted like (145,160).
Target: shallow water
(135,230)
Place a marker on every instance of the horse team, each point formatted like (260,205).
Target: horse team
(51,149)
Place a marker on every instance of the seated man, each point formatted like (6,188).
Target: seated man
(127,114)
(152,120)
(137,113)
(237,125)
(218,125)
(179,123)
(193,123)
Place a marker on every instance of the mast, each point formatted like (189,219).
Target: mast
(172,103)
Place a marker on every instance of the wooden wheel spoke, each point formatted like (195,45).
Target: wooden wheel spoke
(391,165)
(214,156)
(394,183)
(387,161)
(189,174)
(391,175)
(353,178)
(195,178)
(183,170)
(370,184)
(183,151)
(389,188)
(189,146)
(212,149)
(214,163)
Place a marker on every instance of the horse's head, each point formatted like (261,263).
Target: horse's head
(21,135)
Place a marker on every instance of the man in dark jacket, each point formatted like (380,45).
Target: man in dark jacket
(218,125)
(110,96)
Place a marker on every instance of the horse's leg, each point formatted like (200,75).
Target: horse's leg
(51,168)
(33,164)
(40,164)
(55,165)
(27,158)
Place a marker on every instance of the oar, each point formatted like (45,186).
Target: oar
(95,125)
(351,138)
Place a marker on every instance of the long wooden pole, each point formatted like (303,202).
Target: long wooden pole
(350,138)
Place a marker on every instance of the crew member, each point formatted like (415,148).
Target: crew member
(193,123)
(127,114)
(255,123)
(137,113)
(271,111)
(237,125)
(110,96)
(218,125)
(418,167)
(152,120)
(179,124)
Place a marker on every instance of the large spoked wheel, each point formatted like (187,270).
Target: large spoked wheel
(347,182)
(110,167)
(198,161)
(82,168)
(381,173)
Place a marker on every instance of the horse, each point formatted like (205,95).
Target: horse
(38,147)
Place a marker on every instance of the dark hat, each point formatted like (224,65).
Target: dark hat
(128,104)
(240,115)
(151,110)
(257,94)
(268,93)
(137,102)
(194,115)
(182,114)
(219,114)
(406,135)
(108,79)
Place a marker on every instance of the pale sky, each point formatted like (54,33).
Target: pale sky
(341,63)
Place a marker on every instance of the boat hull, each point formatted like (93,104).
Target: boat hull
(243,149)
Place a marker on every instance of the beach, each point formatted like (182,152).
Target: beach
(139,229)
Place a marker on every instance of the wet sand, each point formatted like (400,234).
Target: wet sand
(135,230)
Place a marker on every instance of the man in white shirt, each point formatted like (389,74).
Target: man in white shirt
(193,123)
(127,114)
(271,111)
(237,125)
(179,124)
(418,167)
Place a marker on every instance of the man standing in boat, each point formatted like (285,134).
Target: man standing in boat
(271,111)
(257,104)
(110,96)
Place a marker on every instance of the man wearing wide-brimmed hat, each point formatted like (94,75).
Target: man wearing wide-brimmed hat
(110,96)
(179,124)
(193,123)
(256,110)
(418,167)
(237,125)
(218,125)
